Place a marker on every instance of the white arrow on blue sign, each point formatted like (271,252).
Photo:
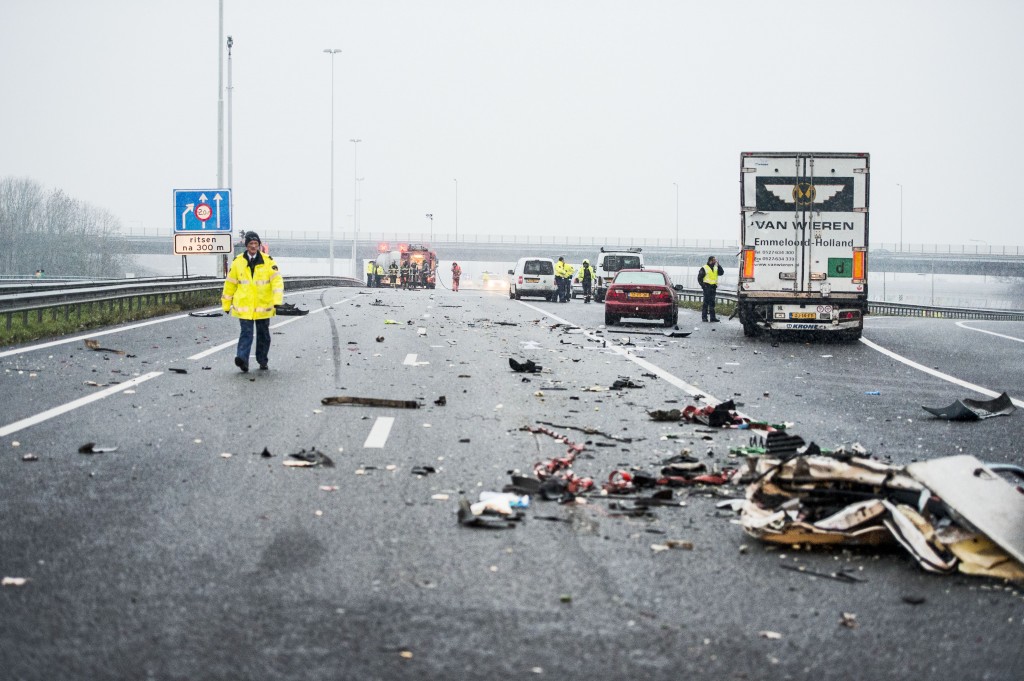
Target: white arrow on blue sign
(207,210)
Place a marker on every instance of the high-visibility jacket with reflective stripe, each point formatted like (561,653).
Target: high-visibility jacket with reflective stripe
(252,294)
(369,267)
(710,275)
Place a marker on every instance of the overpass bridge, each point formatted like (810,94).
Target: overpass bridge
(889,257)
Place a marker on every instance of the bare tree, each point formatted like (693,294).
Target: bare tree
(57,233)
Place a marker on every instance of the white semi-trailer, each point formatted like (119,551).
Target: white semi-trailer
(804,234)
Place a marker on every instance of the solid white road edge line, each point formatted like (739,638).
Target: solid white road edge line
(378,436)
(656,370)
(937,374)
(963,325)
(75,404)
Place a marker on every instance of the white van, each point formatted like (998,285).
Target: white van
(532,277)
(609,262)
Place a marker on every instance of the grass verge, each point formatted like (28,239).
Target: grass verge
(68,319)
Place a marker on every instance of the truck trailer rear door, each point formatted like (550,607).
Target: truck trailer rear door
(805,223)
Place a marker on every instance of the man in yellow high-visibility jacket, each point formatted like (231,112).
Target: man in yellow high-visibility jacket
(369,273)
(251,291)
(707,277)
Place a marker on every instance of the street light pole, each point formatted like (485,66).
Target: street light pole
(456,181)
(231,126)
(901,215)
(355,201)
(220,268)
(677,213)
(431,216)
(330,248)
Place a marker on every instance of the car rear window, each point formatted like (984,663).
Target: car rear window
(538,267)
(614,263)
(655,278)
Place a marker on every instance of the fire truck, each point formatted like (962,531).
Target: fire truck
(418,255)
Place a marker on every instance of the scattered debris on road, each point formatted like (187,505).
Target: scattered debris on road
(93,448)
(529,366)
(95,345)
(974,410)
(371,402)
(304,459)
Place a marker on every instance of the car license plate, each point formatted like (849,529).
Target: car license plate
(803,315)
(639,294)
(532,280)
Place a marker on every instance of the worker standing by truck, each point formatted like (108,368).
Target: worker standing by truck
(587,279)
(707,277)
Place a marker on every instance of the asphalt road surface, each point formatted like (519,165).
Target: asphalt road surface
(186,554)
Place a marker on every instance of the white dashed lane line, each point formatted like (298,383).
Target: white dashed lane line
(378,436)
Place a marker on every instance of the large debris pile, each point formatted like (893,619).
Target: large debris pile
(950,514)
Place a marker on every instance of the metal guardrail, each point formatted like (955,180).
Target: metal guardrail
(894,309)
(62,301)
(128,296)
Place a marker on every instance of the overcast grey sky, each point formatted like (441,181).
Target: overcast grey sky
(554,116)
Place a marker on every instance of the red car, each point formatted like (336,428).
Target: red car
(647,294)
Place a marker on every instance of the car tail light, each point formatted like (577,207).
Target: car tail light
(859,265)
(748,265)
(520,280)
(613,293)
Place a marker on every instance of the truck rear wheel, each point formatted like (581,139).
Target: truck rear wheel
(748,320)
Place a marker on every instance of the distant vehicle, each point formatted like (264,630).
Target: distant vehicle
(419,255)
(609,262)
(645,294)
(532,277)
(577,285)
(803,264)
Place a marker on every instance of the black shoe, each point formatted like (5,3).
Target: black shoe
(264,367)
(715,321)
(703,320)
(242,364)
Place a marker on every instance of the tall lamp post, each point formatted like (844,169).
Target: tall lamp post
(330,248)
(355,201)
(901,215)
(677,213)
(431,217)
(456,181)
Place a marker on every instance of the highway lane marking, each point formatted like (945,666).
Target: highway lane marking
(963,325)
(934,372)
(75,404)
(671,379)
(378,436)
(218,348)
(410,360)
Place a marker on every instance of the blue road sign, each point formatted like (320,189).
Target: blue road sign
(205,210)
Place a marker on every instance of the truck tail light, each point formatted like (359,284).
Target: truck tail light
(747,274)
(860,266)
(845,315)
